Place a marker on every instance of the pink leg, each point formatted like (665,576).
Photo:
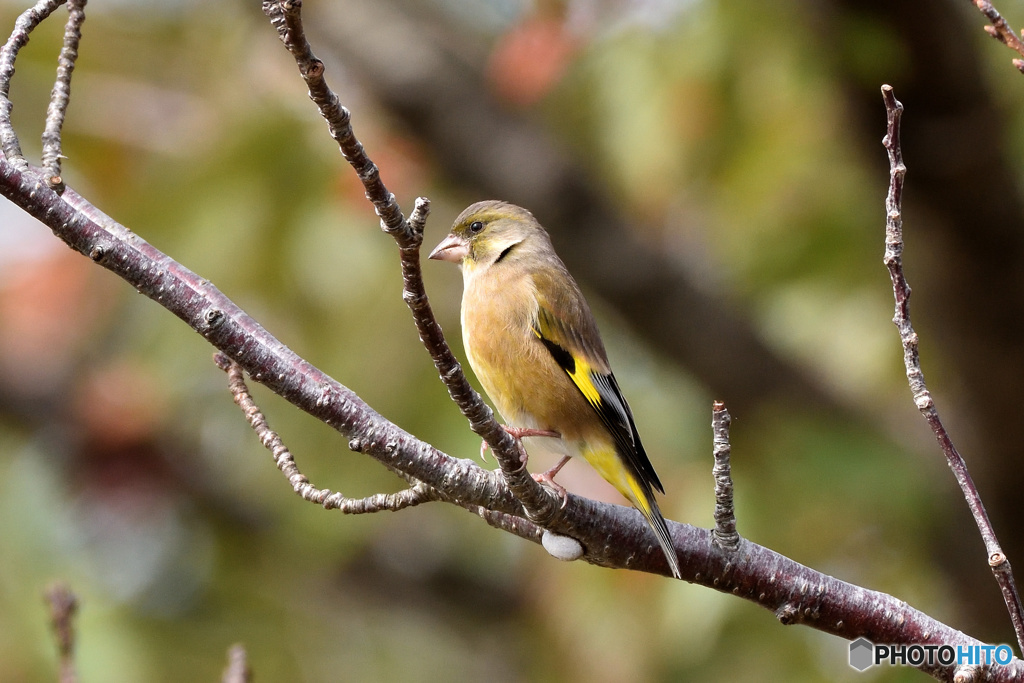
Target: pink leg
(545,477)
(549,479)
(520,432)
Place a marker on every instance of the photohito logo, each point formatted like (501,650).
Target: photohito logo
(865,654)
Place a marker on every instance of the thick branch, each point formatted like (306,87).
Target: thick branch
(613,536)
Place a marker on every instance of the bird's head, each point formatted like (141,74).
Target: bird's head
(486,233)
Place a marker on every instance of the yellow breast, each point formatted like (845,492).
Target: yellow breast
(524,382)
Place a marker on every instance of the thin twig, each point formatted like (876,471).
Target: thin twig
(724,535)
(513,524)
(1001,31)
(63,607)
(542,505)
(416,494)
(286,16)
(237,670)
(331,500)
(24,26)
(922,398)
(61,95)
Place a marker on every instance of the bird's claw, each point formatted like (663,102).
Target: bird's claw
(519,432)
(548,478)
(545,479)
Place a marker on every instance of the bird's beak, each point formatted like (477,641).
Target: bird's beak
(452,248)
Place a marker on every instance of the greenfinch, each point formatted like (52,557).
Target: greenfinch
(534,345)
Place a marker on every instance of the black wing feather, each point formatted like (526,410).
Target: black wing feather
(612,408)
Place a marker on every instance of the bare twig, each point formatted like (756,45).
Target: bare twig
(63,607)
(24,26)
(414,495)
(513,524)
(1001,31)
(542,505)
(286,17)
(922,398)
(237,670)
(724,535)
(61,95)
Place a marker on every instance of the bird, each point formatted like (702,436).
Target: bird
(534,345)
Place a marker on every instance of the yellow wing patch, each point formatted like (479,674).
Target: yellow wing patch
(577,368)
(581,377)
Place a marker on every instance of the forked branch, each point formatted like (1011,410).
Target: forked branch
(416,494)
(541,504)
(1000,29)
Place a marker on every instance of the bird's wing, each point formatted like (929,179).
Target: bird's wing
(578,350)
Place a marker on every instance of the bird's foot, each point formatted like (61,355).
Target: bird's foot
(519,432)
(548,478)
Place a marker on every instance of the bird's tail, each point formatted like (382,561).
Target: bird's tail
(644,501)
(631,484)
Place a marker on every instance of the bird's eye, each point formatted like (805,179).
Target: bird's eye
(475,227)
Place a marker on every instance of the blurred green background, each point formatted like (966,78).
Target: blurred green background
(712,173)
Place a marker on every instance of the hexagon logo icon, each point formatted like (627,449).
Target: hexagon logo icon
(861,654)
